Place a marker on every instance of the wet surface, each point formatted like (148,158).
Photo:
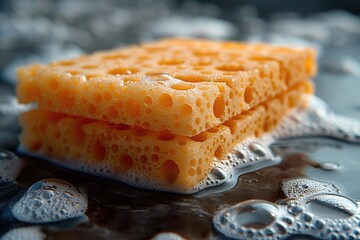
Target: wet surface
(114,210)
(117,210)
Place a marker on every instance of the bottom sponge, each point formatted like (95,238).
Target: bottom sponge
(143,158)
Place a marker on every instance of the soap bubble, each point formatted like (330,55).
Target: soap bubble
(29,233)
(316,213)
(303,186)
(167,236)
(50,200)
(10,166)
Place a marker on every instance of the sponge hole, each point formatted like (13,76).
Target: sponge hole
(218,152)
(132,107)
(171,62)
(186,110)
(201,137)
(123,70)
(231,68)
(248,94)
(182,86)
(148,100)
(113,56)
(126,162)
(165,100)
(66,63)
(219,107)
(67,98)
(99,151)
(170,171)
(89,66)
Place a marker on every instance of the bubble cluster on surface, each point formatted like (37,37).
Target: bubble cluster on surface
(30,233)
(320,213)
(10,166)
(249,155)
(318,120)
(303,186)
(167,236)
(315,119)
(50,200)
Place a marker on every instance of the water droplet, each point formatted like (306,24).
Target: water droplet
(269,232)
(287,220)
(33,233)
(37,203)
(257,149)
(329,166)
(307,217)
(167,236)
(68,195)
(157,78)
(280,228)
(331,206)
(295,209)
(240,154)
(7,155)
(319,224)
(255,214)
(63,211)
(47,194)
(50,200)
(218,173)
(30,195)
(346,227)
(246,218)
(10,166)
(224,220)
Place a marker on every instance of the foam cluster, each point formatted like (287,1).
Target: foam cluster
(319,213)
(50,200)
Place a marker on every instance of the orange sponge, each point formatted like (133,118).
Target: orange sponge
(207,83)
(146,158)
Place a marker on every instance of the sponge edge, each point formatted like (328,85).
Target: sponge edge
(210,83)
(157,160)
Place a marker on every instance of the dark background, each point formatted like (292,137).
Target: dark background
(45,30)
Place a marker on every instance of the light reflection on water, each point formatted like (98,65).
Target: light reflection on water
(118,211)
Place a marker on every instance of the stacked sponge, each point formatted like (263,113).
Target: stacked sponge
(158,115)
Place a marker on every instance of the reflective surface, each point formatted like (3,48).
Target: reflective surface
(115,210)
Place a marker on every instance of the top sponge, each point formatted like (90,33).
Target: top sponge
(185,86)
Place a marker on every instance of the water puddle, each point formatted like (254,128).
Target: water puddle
(261,191)
(311,209)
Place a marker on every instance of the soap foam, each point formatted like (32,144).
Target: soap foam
(318,213)
(10,166)
(50,200)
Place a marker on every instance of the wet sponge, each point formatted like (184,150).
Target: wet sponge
(158,115)
(206,83)
(145,158)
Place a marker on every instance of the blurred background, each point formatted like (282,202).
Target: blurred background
(39,31)
(45,30)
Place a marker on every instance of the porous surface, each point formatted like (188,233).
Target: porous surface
(144,158)
(209,83)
